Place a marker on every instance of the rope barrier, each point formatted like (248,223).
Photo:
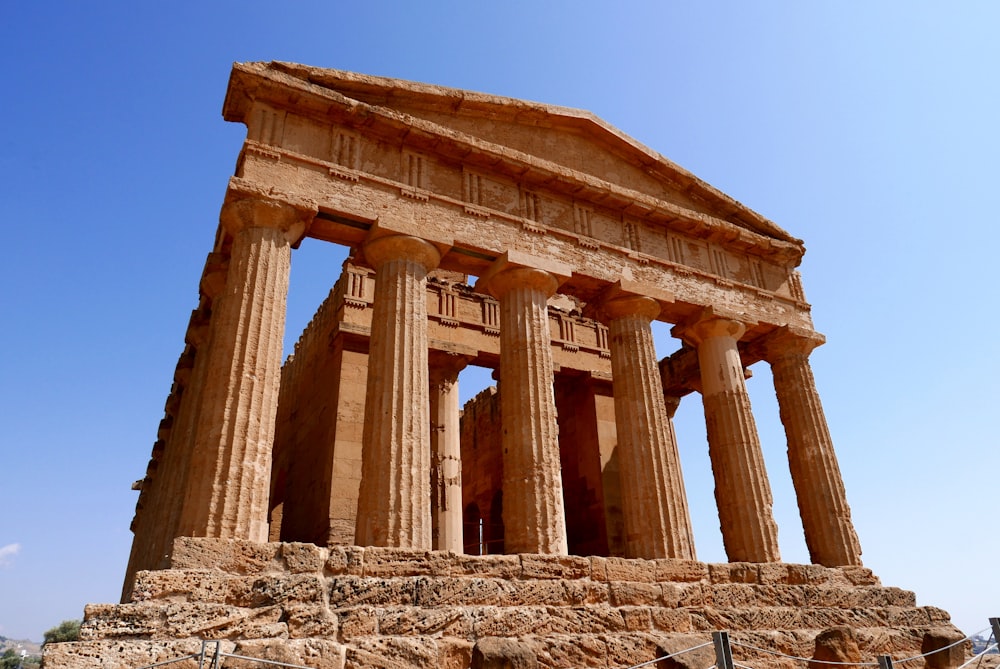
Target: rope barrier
(990,646)
(979,656)
(859,664)
(803,659)
(667,657)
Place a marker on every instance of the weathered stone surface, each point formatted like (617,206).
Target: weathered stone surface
(494,653)
(237,556)
(393,653)
(303,558)
(835,645)
(315,653)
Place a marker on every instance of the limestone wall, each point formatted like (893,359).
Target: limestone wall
(348,607)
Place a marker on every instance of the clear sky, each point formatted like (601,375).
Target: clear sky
(868,129)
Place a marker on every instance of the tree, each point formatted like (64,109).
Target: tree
(10,659)
(67,630)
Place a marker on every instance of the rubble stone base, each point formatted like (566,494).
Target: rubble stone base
(346,607)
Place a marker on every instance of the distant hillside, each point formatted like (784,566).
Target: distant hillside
(33,647)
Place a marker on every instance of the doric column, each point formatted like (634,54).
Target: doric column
(533,512)
(394,503)
(742,491)
(819,488)
(227,487)
(654,504)
(446,454)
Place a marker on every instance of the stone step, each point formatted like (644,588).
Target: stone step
(553,650)
(165,620)
(246,558)
(348,590)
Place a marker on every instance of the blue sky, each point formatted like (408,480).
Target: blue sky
(867,129)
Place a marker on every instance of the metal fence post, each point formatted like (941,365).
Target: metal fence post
(723,651)
(885,662)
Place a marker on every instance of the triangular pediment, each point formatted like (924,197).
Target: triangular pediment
(568,138)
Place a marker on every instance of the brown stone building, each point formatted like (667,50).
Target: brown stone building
(334,498)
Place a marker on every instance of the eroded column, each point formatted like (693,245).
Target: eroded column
(742,491)
(446,454)
(533,512)
(226,491)
(654,503)
(819,487)
(394,502)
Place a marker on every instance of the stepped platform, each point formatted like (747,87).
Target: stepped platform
(347,607)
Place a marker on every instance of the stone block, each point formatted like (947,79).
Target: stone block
(773,574)
(236,556)
(492,566)
(307,621)
(685,594)
(624,593)
(806,574)
(557,651)
(835,645)
(782,595)
(393,653)
(626,569)
(586,592)
(314,653)
(554,566)
(731,595)
(348,591)
(551,593)
(670,620)
(215,621)
(300,558)
(122,654)
(733,572)
(509,621)
(271,589)
(361,621)
(675,653)
(411,621)
(454,653)
(345,560)
(684,571)
(181,585)
(859,575)
(493,653)
(626,650)
(392,562)
(944,648)
(584,619)
(464,592)
(637,618)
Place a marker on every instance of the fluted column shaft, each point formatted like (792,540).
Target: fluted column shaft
(446,458)
(819,487)
(394,501)
(742,490)
(228,483)
(533,511)
(654,503)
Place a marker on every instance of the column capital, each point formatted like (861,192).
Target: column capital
(708,325)
(381,250)
(445,366)
(628,298)
(514,269)
(507,279)
(788,341)
(247,206)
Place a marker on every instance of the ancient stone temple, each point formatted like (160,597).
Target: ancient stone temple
(342,510)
